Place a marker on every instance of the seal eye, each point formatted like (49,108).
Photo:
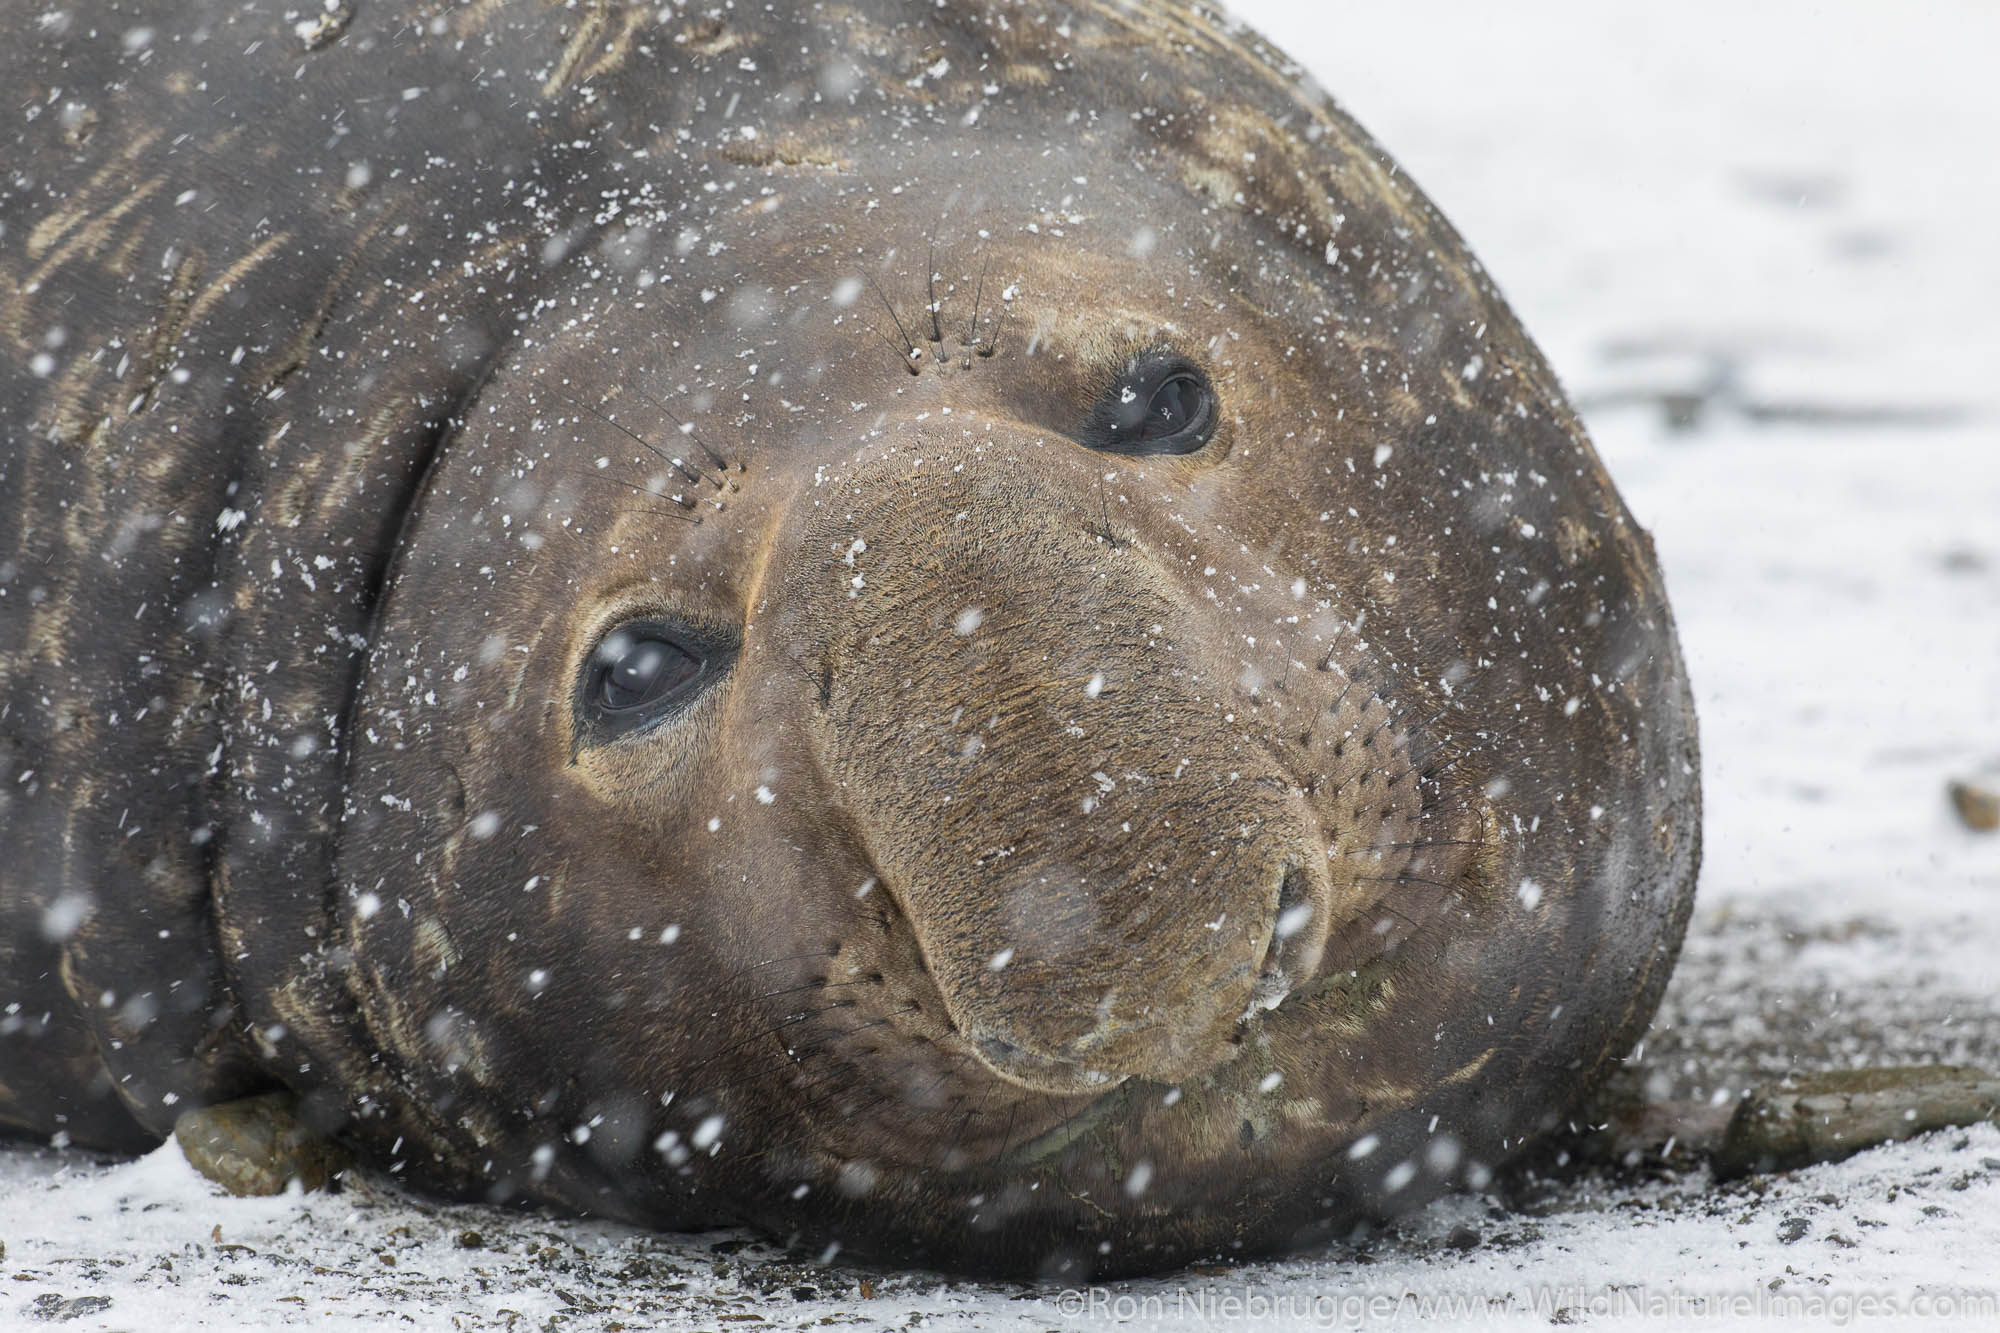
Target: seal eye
(1162,404)
(640,673)
(1175,404)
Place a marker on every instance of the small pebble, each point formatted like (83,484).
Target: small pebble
(1978,807)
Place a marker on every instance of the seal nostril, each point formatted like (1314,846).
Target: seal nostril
(1288,933)
(1295,912)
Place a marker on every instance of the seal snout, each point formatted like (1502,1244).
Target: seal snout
(1102,880)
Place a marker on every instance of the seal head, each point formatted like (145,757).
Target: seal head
(994,648)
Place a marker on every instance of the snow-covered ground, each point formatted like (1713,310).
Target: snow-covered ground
(1756,242)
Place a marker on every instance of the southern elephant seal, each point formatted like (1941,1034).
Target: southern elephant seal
(965,630)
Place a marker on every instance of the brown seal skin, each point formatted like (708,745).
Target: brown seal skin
(1028,852)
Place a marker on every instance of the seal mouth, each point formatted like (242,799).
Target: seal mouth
(1153,1031)
(1039,1072)
(925,1010)
(1290,957)
(989,1048)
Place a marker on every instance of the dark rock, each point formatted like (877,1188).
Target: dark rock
(52,1308)
(257,1146)
(1828,1117)
(1978,807)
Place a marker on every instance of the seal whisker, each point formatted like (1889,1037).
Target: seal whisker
(662,513)
(978,292)
(1332,709)
(688,430)
(676,513)
(1388,718)
(742,972)
(1383,905)
(1490,742)
(801,1016)
(640,440)
(1423,744)
(652,489)
(992,344)
(930,287)
(798,1060)
(1007,1134)
(909,355)
(790,1020)
(906,356)
(920,1094)
(965,1123)
(1430,721)
(821,985)
(1403,878)
(875,1022)
(1062,1122)
(806,1085)
(1107,532)
(655,485)
(1362,774)
(846,1112)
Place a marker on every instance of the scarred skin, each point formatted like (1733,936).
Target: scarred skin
(360,378)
